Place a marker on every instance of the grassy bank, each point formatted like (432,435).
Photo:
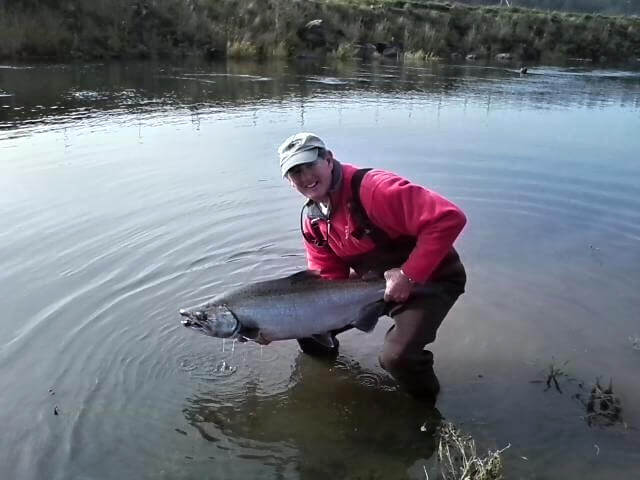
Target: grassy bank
(263,28)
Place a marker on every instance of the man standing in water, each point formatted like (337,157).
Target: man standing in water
(375,222)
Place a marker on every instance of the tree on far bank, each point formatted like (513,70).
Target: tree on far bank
(615,7)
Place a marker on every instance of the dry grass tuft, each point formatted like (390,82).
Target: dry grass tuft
(460,461)
(242,49)
(263,28)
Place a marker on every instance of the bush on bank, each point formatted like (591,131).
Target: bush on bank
(265,28)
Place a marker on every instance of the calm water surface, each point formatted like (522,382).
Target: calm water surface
(130,190)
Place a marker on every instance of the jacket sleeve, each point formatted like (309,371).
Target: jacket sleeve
(402,208)
(324,260)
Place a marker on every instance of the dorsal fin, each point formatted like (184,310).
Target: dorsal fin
(303,275)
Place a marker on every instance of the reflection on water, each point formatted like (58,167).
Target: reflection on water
(321,426)
(128,190)
(75,93)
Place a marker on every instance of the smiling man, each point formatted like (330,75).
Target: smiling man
(373,222)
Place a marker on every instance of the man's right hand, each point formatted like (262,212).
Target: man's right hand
(399,286)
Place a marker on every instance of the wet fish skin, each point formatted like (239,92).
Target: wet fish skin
(297,306)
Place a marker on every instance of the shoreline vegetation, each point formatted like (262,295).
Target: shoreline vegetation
(458,458)
(415,30)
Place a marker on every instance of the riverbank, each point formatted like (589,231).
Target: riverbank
(282,28)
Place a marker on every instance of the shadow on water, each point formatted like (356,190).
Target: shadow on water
(87,92)
(337,425)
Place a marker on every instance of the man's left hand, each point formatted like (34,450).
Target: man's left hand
(399,286)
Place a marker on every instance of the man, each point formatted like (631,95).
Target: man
(375,222)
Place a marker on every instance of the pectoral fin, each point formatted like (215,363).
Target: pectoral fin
(368,316)
(325,339)
(253,334)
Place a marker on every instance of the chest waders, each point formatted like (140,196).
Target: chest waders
(415,321)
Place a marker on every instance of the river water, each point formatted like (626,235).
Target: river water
(130,190)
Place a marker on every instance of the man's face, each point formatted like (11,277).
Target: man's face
(313,180)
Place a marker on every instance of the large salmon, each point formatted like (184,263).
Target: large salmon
(297,306)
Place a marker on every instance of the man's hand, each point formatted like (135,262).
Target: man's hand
(399,286)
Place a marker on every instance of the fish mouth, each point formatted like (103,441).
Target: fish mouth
(193,319)
(212,320)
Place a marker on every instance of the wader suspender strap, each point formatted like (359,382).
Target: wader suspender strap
(316,235)
(364,225)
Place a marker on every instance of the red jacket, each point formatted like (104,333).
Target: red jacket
(398,207)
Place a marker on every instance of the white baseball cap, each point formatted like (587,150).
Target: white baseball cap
(298,149)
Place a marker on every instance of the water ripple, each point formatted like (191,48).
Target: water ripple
(125,203)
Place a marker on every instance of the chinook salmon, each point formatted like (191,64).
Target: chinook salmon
(297,306)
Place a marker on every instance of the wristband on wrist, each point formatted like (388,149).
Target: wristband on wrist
(411,280)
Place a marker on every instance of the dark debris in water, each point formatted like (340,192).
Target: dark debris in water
(555,373)
(552,378)
(602,406)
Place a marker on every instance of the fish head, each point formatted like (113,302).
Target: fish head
(212,320)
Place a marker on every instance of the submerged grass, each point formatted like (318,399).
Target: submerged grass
(262,28)
(603,407)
